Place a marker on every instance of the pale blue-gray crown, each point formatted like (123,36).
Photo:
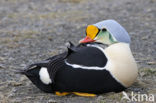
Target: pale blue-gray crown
(115,29)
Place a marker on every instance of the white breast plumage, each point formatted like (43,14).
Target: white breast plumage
(121,63)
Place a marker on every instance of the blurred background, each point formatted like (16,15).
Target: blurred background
(33,30)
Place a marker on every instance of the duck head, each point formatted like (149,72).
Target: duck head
(106,32)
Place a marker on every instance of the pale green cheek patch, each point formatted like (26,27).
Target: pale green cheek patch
(106,37)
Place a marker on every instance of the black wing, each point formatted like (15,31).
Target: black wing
(81,55)
(86,56)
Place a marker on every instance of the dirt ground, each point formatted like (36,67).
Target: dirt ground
(33,30)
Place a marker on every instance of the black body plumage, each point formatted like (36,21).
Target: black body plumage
(65,78)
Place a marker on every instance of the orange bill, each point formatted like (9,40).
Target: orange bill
(87,40)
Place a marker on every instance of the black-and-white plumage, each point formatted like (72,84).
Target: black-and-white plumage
(89,67)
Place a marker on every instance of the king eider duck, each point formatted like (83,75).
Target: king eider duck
(89,68)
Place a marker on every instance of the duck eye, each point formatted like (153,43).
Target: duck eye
(104,29)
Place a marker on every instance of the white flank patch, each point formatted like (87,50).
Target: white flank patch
(44,76)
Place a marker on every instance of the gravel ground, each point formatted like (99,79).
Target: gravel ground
(32,30)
